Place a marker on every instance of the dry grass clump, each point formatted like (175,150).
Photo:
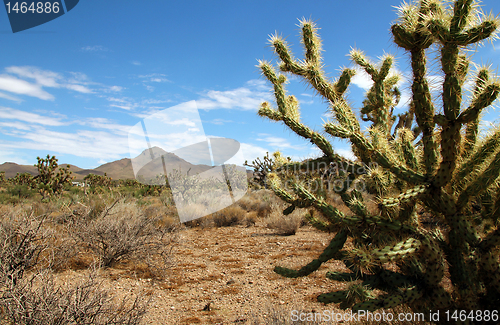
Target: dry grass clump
(230,216)
(285,225)
(165,216)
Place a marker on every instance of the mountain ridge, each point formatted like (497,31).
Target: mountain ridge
(118,169)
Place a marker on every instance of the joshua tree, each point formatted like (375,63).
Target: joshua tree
(49,182)
(430,162)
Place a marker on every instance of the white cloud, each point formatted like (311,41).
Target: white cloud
(95,48)
(13,98)
(79,88)
(249,152)
(154,77)
(106,124)
(245,98)
(42,78)
(15,114)
(83,143)
(125,107)
(15,125)
(22,87)
(362,79)
(347,153)
(278,143)
(219,121)
(115,89)
(136,63)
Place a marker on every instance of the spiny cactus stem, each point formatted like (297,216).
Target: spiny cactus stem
(424,108)
(461,12)
(483,100)
(481,183)
(312,43)
(330,252)
(483,153)
(450,151)
(319,83)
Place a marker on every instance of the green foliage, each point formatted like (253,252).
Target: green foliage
(425,163)
(94,180)
(21,191)
(51,178)
(23,179)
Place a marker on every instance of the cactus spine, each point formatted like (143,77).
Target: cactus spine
(427,162)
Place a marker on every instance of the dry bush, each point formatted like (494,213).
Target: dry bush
(285,225)
(123,231)
(165,216)
(25,247)
(230,216)
(22,243)
(250,202)
(37,299)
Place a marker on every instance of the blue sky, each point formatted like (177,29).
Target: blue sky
(75,86)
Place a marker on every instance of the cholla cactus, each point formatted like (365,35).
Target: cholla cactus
(428,161)
(48,181)
(263,167)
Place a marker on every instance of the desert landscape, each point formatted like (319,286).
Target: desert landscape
(402,228)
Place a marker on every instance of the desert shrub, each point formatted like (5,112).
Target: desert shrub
(22,242)
(230,216)
(121,232)
(21,191)
(285,225)
(37,299)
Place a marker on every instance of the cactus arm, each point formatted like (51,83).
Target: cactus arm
(266,111)
(478,33)
(309,70)
(469,168)
(481,182)
(312,42)
(403,197)
(452,91)
(398,251)
(288,112)
(410,35)
(472,127)
(389,301)
(362,143)
(378,103)
(320,224)
(484,99)
(330,252)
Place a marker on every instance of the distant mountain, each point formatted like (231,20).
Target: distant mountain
(150,161)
